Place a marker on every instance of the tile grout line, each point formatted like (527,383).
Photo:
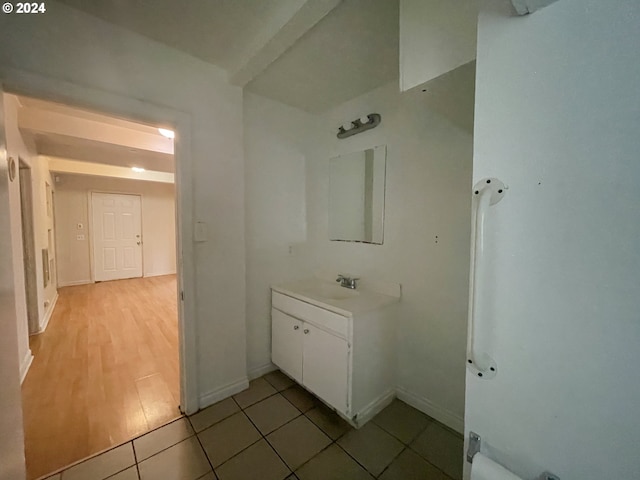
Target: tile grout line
(420,432)
(404,445)
(431,463)
(333,441)
(265,437)
(162,449)
(202,446)
(135,458)
(392,460)
(355,460)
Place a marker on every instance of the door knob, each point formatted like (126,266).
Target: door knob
(138,243)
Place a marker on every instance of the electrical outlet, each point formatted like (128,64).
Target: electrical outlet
(79,237)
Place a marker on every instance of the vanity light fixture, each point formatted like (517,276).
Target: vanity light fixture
(165,132)
(137,169)
(359,125)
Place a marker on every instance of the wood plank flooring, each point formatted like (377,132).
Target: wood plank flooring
(105,370)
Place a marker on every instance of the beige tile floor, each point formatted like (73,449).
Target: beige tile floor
(275,430)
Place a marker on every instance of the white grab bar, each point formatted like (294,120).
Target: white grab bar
(486,192)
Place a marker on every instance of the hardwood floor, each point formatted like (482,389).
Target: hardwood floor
(105,370)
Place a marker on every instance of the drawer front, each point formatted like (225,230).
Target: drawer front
(310,313)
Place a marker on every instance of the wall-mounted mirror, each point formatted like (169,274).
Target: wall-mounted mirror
(356,196)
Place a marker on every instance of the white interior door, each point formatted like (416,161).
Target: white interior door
(117,236)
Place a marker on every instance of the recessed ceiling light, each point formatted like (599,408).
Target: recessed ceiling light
(167,133)
(137,169)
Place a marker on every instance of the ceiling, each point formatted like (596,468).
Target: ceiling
(92,151)
(67,132)
(353,50)
(216,31)
(311,54)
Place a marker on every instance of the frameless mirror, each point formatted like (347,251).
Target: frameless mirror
(356,196)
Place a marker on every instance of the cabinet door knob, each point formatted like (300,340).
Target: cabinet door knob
(306,330)
(296,327)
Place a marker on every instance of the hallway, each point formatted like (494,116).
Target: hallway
(105,371)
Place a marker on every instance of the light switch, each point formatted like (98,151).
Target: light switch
(79,237)
(200,233)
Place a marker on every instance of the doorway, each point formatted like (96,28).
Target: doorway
(107,368)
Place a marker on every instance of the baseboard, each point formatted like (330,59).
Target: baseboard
(257,372)
(444,416)
(74,283)
(374,407)
(48,314)
(25,364)
(214,396)
(161,274)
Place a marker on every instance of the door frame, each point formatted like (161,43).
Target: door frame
(89,230)
(56,90)
(28,246)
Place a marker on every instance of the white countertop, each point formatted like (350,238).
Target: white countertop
(319,292)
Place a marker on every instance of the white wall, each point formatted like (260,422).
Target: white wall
(427,195)
(69,46)
(72,207)
(277,142)
(557,118)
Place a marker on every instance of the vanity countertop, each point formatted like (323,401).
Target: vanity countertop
(337,299)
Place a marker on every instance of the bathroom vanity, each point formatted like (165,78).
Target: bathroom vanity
(338,343)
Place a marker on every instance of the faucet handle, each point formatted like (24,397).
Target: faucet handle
(340,278)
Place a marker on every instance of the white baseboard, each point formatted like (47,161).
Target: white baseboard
(450,419)
(158,274)
(214,396)
(257,372)
(48,314)
(25,364)
(373,408)
(74,283)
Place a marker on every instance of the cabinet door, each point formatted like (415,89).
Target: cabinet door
(286,344)
(325,366)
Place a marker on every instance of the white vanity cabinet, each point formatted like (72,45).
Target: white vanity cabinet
(346,359)
(311,356)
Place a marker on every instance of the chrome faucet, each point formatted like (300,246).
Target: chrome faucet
(347,282)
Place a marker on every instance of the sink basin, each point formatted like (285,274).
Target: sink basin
(329,295)
(330,292)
